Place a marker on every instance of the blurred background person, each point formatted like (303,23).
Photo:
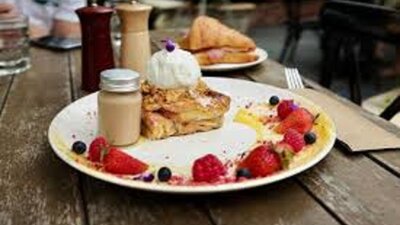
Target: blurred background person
(55,17)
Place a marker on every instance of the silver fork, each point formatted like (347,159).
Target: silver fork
(293,78)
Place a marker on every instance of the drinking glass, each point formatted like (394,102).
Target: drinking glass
(14,46)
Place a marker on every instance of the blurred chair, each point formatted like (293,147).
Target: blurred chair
(346,26)
(296,24)
(387,105)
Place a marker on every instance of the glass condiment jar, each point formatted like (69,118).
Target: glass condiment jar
(119,106)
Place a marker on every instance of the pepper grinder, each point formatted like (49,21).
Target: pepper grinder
(135,41)
(97,53)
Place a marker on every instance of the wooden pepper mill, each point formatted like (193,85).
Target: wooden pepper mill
(135,41)
(97,53)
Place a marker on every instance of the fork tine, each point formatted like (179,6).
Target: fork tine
(295,78)
(291,78)
(298,78)
(288,78)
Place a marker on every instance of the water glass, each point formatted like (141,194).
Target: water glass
(14,46)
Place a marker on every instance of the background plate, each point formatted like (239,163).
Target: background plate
(78,121)
(262,55)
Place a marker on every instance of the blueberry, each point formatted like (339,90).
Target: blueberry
(243,172)
(79,147)
(164,174)
(310,138)
(274,100)
(148,177)
(170,46)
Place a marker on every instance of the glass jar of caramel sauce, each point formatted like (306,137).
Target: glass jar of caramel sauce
(119,106)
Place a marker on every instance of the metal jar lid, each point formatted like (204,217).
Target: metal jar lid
(119,80)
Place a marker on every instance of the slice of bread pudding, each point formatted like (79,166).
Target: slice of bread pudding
(172,112)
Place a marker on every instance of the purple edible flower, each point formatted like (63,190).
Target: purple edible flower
(294,107)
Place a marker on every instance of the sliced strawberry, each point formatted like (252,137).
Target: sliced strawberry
(262,161)
(295,139)
(96,148)
(300,120)
(118,162)
(285,108)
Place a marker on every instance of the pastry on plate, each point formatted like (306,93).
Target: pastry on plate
(175,100)
(211,42)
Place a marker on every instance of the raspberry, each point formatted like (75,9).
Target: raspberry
(262,161)
(285,108)
(295,139)
(208,169)
(97,148)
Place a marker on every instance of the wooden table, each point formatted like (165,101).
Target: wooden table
(38,188)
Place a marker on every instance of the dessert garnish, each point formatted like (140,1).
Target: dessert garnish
(262,161)
(294,139)
(173,68)
(310,138)
(274,100)
(208,169)
(97,149)
(118,162)
(149,177)
(164,174)
(285,108)
(79,147)
(243,173)
(300,120)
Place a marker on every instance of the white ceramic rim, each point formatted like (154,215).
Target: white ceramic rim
(262,56)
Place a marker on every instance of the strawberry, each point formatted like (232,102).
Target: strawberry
(285,108)
(300,120)
(295,139)
(97,148)
(118,162)
(208,169)
(262,161)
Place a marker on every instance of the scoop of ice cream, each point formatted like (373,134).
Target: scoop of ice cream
(176,68)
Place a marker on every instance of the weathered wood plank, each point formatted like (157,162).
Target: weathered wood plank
(4,88)
(281,203)
(355,188)
(35,186)
(111,204)
(388,159)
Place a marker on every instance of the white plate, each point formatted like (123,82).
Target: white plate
(262,55)
(78,121)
